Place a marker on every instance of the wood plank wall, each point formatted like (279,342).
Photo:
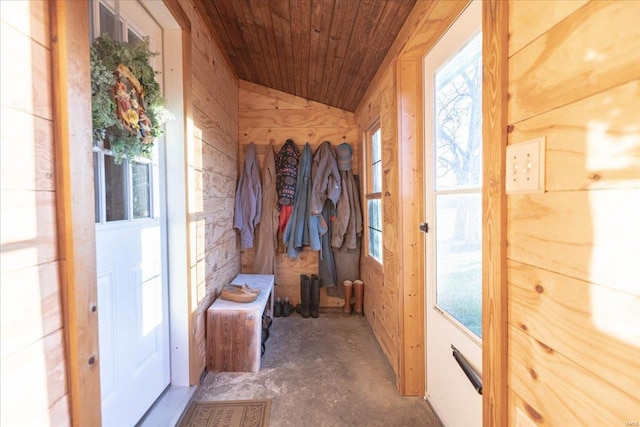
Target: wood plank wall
(382,281)
(212,157)
(573,275)
(268,116)
(34,368)
(395,291)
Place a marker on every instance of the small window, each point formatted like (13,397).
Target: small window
(374,192)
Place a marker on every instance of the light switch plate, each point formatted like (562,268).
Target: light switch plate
(525,167)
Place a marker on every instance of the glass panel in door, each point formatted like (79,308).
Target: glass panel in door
(453,194)
(457,192)
(141,189)
(459,258)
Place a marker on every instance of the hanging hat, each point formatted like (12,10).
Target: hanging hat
(345,154)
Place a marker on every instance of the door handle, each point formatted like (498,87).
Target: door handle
(471,374)
(424,227)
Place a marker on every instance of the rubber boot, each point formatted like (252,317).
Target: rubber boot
(314,307)
(277,309)
(286,308)
(358,288)
(348,289)
(305,296)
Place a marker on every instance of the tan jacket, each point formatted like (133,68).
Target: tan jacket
(266,245)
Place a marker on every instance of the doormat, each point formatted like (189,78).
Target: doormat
(230,413)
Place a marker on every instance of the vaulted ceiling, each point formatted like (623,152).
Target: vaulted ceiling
(323,50)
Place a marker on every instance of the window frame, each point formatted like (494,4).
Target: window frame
(123,29)
(369,193)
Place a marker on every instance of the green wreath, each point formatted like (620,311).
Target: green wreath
(127,107)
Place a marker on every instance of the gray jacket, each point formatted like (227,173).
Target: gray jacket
(248,206)
(326,178)
(347,226)
(296,233)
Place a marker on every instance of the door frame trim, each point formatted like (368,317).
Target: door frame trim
(70,65)
(495,59)
(71,83)
(495,23)
(177,84)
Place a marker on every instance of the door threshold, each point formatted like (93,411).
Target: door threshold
(168,409)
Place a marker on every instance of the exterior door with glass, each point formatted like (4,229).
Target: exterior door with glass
(130,253)
(453,167)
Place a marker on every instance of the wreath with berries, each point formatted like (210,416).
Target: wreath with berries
(127,106)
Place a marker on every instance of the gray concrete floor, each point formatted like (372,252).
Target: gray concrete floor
(328,371)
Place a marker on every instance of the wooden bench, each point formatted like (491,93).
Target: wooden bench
(234,329)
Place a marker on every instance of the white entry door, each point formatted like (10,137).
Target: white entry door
(453,170)
(130,252)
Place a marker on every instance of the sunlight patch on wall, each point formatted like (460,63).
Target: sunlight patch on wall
(592,55)
(18,150)
(21,307)
(617,314)
(25,69)
(614,152)
(198,260)
(615,229)
(18,207)
(25,385)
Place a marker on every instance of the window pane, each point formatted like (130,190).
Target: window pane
(141,185)
(108,23)
(459,258)
(375,228)
(376,177)
(458,119)
(133,37)
(115,189)
(96,185)
(375,214)
(375,244)
(376,147)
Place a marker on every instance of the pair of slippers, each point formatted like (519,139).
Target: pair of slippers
(239,293)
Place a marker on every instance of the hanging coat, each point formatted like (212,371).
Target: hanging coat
(326,189)
(348,222)
(326,178)
(325,185)
(286,173)
(347,226)
(248,203)
(326,263)
(264,261)
(296,233)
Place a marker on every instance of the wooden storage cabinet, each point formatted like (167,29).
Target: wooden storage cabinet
(234,330)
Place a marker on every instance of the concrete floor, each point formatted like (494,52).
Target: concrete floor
(328,371)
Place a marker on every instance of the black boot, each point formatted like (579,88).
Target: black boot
(315,296)
(305,296)
(286,308)
(277,309)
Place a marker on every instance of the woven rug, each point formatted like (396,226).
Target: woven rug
(230,413)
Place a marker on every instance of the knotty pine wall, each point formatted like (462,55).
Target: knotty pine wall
(212,156)
(394,302)
(381,282)
(34,368)
(573,252)
(573,277)
(268,116)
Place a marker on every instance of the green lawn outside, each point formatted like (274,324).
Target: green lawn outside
(460,287)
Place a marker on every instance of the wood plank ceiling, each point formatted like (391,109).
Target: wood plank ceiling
(323,50)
